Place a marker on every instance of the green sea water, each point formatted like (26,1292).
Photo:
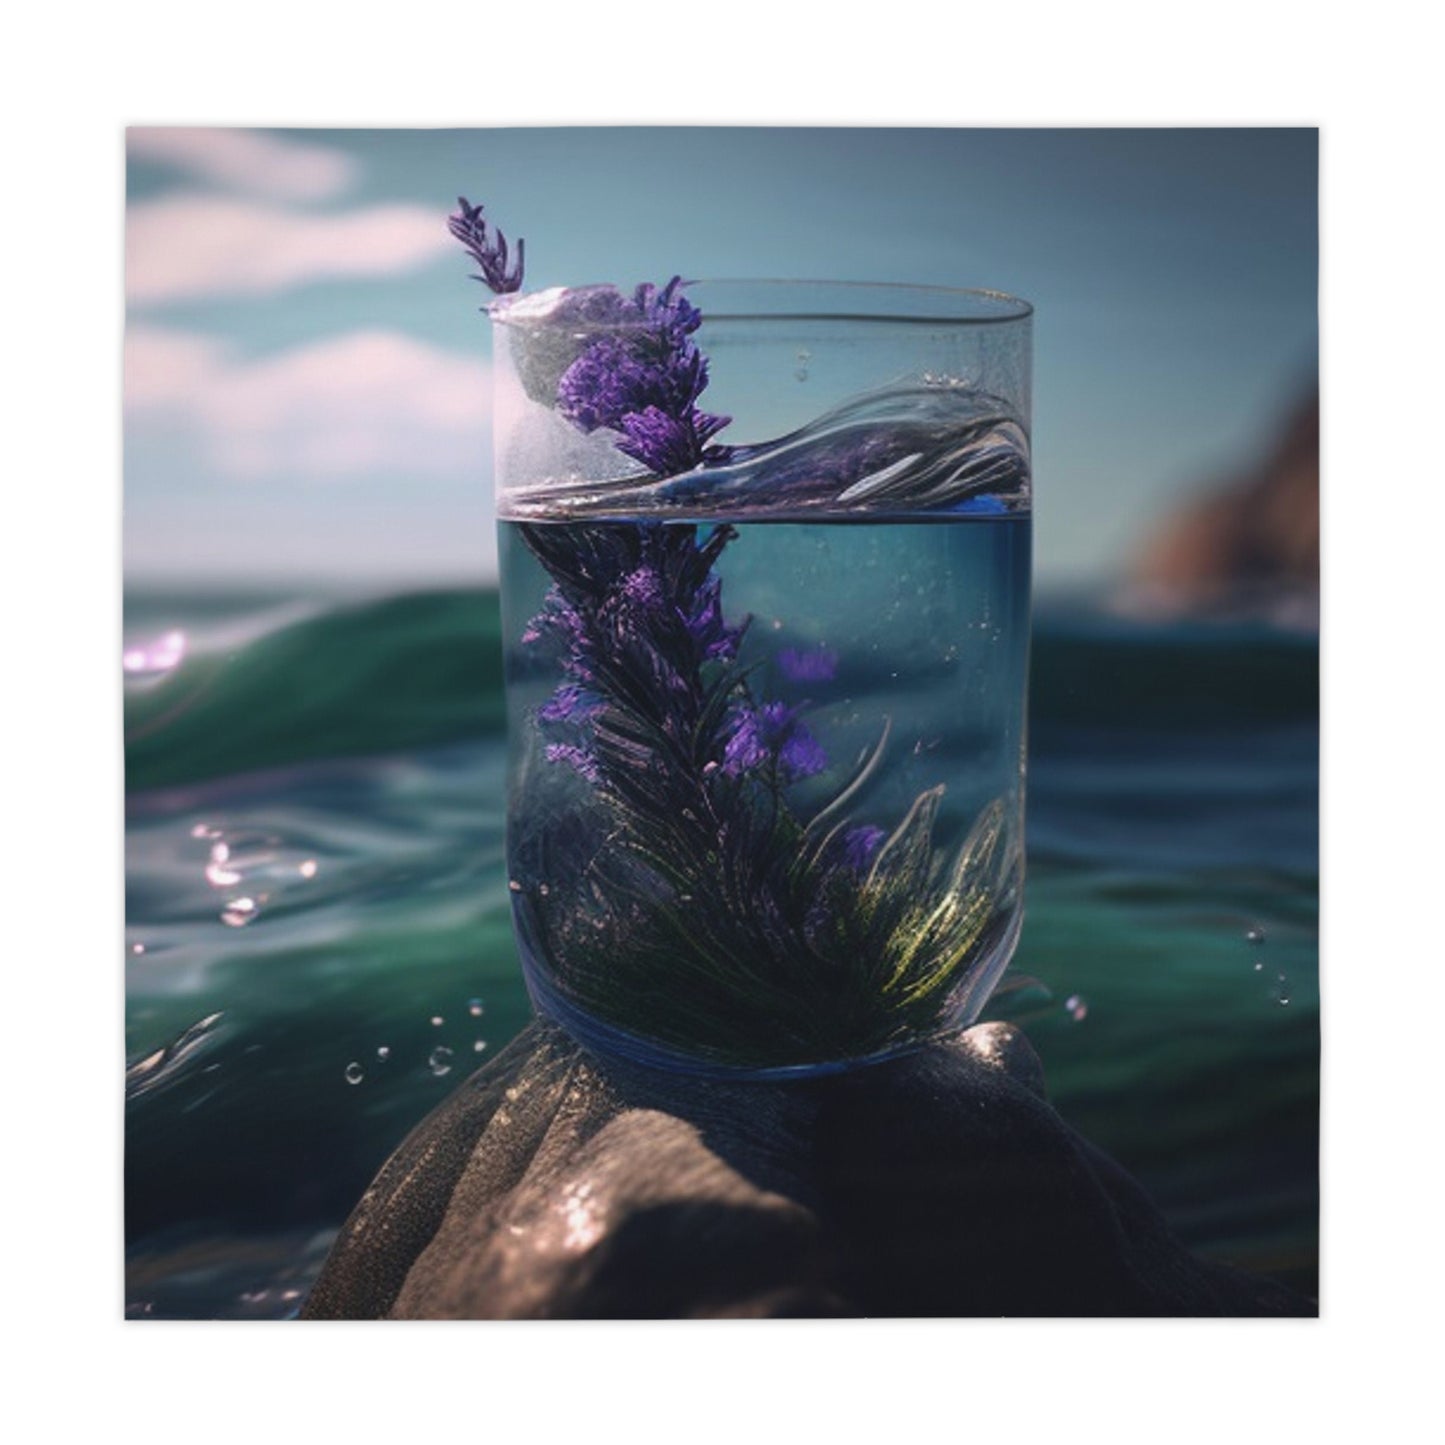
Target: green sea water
(318,943)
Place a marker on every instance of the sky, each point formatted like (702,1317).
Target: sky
(307,371)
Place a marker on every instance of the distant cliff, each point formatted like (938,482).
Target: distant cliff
(1248,547)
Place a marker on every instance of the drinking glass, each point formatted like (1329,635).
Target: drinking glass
(767,712)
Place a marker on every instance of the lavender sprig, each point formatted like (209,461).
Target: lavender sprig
(487,249)
(640,376)
(643,378)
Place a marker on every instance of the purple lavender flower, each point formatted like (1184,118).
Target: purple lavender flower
(489,251)
(667,307)
(642,590)
(714,638)
(635,613)
(570,703)
(618,375)
(667,444)
(643,378)
(859,846)
(577,758)
(815,664)
(801,755)
(772,732)
(558,617)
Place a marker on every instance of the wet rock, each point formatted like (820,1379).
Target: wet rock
(555,1185)
(1249,546)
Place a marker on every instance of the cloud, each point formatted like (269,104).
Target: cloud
(248,161)
(181,247)
(362,404)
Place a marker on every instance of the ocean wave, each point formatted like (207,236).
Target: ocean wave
(381,676)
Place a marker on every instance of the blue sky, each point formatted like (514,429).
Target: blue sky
(306,368)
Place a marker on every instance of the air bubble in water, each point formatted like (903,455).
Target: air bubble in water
(1077,1007)
(219,873)
(475,1007)
(383,1053)
(437,1021)
(1255,936)
(354,1074)
(440,1061)
(239,912)
(479,1045)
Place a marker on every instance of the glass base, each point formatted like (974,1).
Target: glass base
(611,1042)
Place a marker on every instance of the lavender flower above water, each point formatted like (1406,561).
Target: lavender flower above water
(642,377)
(488,248)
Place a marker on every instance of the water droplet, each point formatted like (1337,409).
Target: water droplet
(514,885)
(1255,936)
(383,1053)
(1077,1007)
(354,1074)
(137,948)
(479,1045)
(1259,966)
(437,1021)
(475,1007)
(543,889)
(239,912)
(308,868)
(440,1061)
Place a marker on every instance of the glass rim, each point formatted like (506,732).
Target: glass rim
(776,299)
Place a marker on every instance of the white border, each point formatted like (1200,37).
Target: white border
(83,75)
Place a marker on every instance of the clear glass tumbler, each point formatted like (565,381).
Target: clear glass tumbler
(767,709)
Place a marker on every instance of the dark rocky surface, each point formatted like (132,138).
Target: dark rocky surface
(1246,546)
(555,1185)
